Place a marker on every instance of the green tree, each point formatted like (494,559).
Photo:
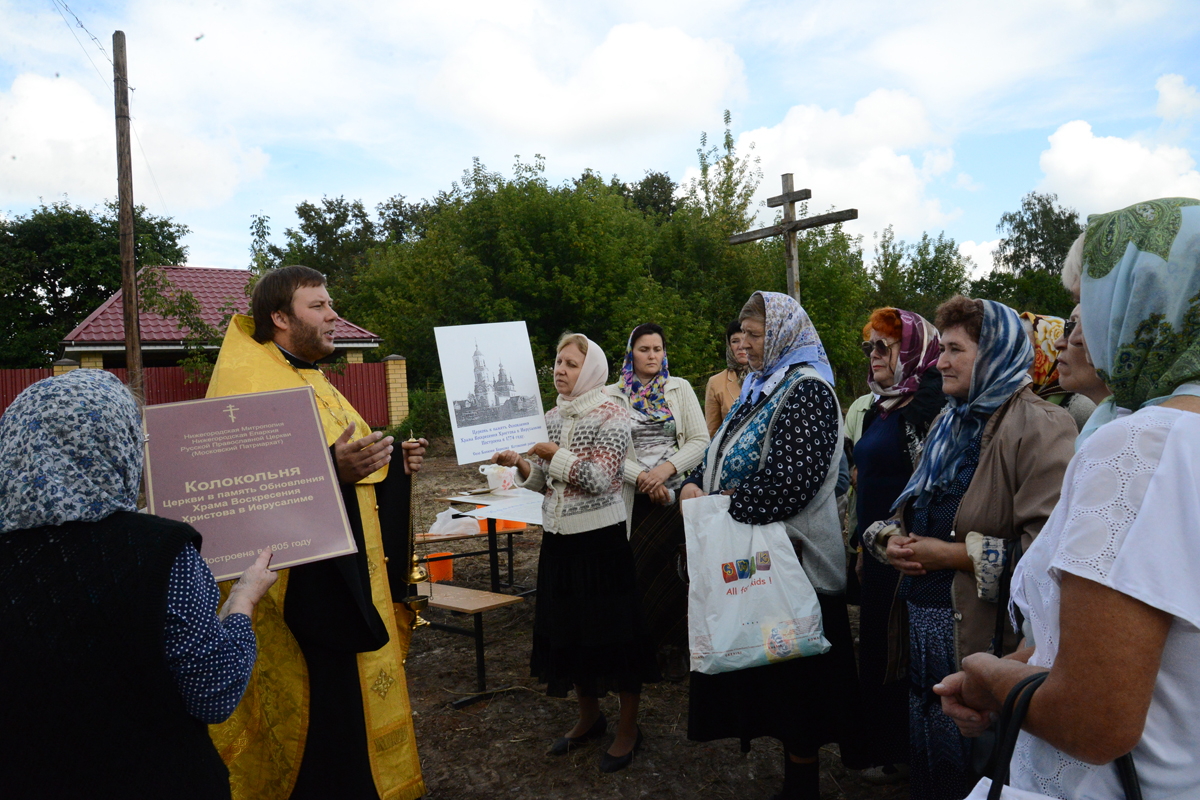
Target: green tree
(727,183)
(916,277)
(59,262)
(1029,258)
(1038,236)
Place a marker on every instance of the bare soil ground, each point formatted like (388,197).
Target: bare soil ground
(497,749)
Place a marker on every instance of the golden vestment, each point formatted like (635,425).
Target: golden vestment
(263,742)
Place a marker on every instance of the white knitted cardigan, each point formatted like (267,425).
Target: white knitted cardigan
(583,484)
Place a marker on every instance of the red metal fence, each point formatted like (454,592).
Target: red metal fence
(14,381)
(364,385)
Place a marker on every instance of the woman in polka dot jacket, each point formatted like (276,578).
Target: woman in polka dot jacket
(115,656)
(777,454)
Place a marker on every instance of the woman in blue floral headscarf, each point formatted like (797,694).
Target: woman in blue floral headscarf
(108,618)
(777,454)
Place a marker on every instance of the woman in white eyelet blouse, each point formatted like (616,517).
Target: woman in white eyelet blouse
(1110,591)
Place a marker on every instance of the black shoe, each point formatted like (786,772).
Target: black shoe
(617,763)
(563,744)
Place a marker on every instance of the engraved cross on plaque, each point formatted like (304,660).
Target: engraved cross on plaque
(789,226)
(229,409)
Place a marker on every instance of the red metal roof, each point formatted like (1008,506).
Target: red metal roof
(211,287)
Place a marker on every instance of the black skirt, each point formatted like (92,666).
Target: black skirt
(588,629)
(805,702)
(656,541)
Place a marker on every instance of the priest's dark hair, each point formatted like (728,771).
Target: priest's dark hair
(274,291)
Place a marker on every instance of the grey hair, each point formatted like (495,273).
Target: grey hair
(1072,268)
(755,308)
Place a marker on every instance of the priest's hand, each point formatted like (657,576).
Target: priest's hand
(356,460)
(414,455)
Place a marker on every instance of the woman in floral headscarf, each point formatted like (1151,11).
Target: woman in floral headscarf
(777,454)
(109,626)
(988,476)
(902,348)
(1044,332)
(669,437)
(1111,589)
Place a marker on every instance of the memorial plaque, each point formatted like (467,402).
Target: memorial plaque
(250,472)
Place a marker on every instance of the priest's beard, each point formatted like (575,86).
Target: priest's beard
(308,342)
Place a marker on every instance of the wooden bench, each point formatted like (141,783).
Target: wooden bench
(476,602)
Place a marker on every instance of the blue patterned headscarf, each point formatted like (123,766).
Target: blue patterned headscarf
(70,449)
(650,399)
(790,338)
(1001,368)
(1141,300)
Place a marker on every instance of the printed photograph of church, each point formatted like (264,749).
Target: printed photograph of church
(493,399)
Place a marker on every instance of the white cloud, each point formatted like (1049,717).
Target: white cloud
(980,254)
(56,138)
(1101,173)
(639,81)
(965,181)
(1176,100)
(863,159)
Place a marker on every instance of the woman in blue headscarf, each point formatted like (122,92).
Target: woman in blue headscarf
(777,454)
(988,476)
(113,645)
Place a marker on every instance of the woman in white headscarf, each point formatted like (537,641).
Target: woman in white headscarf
(588,630)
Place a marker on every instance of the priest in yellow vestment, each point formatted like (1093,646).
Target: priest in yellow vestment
(326,714)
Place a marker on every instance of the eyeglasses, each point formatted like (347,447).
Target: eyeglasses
(880,346)
(1069,326)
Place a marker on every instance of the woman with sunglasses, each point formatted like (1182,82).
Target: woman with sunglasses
(902,351)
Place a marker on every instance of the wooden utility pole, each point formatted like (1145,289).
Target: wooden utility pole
(129,296)
(789,226)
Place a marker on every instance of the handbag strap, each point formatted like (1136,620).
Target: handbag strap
(1012,717)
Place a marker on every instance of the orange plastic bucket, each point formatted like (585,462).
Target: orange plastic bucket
(440,570)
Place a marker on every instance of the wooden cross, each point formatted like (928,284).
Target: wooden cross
(789,226)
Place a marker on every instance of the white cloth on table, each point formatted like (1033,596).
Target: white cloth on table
(1128,520)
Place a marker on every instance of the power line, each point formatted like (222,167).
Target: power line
(60,6)
(79,22)
(87,55)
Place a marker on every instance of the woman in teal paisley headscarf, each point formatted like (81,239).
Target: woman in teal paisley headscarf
(1140,294)
(1110,590)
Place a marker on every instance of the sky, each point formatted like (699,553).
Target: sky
(929,116)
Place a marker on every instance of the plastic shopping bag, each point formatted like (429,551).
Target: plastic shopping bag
(447,525)
(749,601)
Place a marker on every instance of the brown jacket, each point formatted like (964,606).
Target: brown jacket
(1026,446)
(722,390)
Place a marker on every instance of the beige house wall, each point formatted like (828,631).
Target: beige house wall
(396,373)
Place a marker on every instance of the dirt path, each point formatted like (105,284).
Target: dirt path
(497,749)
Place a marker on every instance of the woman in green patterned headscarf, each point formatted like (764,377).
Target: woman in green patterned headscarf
(1110,589)
(1140,294)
